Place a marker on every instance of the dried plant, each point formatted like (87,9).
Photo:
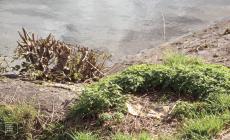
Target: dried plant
(51,59)
(3,65)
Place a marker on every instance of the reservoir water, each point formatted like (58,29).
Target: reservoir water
(122,27)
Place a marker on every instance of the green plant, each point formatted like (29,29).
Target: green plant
(203,128)
(197,81)
(190,110)
(84,136)
(166,137)
(219,102)
(207,85)
(112,116)
(105,117)
(120,136)
(171,59)
(140,136)
(98,99)
(22,115)
(144,136)
(54,131)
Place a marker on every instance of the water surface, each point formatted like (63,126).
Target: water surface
(121,27)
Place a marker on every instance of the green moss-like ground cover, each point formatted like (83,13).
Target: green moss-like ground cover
(207,85)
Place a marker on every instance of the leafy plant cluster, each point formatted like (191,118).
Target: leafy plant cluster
(50,59)
(208,85)
(119,136)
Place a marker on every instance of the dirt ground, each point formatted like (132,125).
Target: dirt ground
(212,44)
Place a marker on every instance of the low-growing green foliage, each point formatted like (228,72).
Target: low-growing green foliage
(205,127)
(141,136)
(171,58)
(99,99)
(23,115)
(120,136)
(54,131)
(144,136)
(186,109)
(166,137)
(219,102)
(194,80)
(114,116)
(84,136)
(207,85)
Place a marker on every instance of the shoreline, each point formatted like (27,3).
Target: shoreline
(206,38)
(214,37)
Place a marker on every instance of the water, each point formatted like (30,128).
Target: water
(121,27)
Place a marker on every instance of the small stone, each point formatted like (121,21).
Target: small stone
(134,109)
(154,114)
(166,109)
(215,55)
(226,32)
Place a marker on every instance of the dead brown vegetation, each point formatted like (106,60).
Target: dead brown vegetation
(51,59)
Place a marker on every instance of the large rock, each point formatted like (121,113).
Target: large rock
(47,97)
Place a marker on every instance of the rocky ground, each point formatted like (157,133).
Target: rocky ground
(212,44)
(49,98)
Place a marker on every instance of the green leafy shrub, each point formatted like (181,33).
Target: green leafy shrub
(98,99)
(208,85)
(194,80)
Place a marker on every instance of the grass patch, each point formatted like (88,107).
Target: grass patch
(179,59)
(23,116)
(207,85)
(84,136)
(141,136)
(205,127)
(120,136)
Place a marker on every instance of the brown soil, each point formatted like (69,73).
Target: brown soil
(212,44)
(148,113)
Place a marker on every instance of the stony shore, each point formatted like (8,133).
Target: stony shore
(211,44)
